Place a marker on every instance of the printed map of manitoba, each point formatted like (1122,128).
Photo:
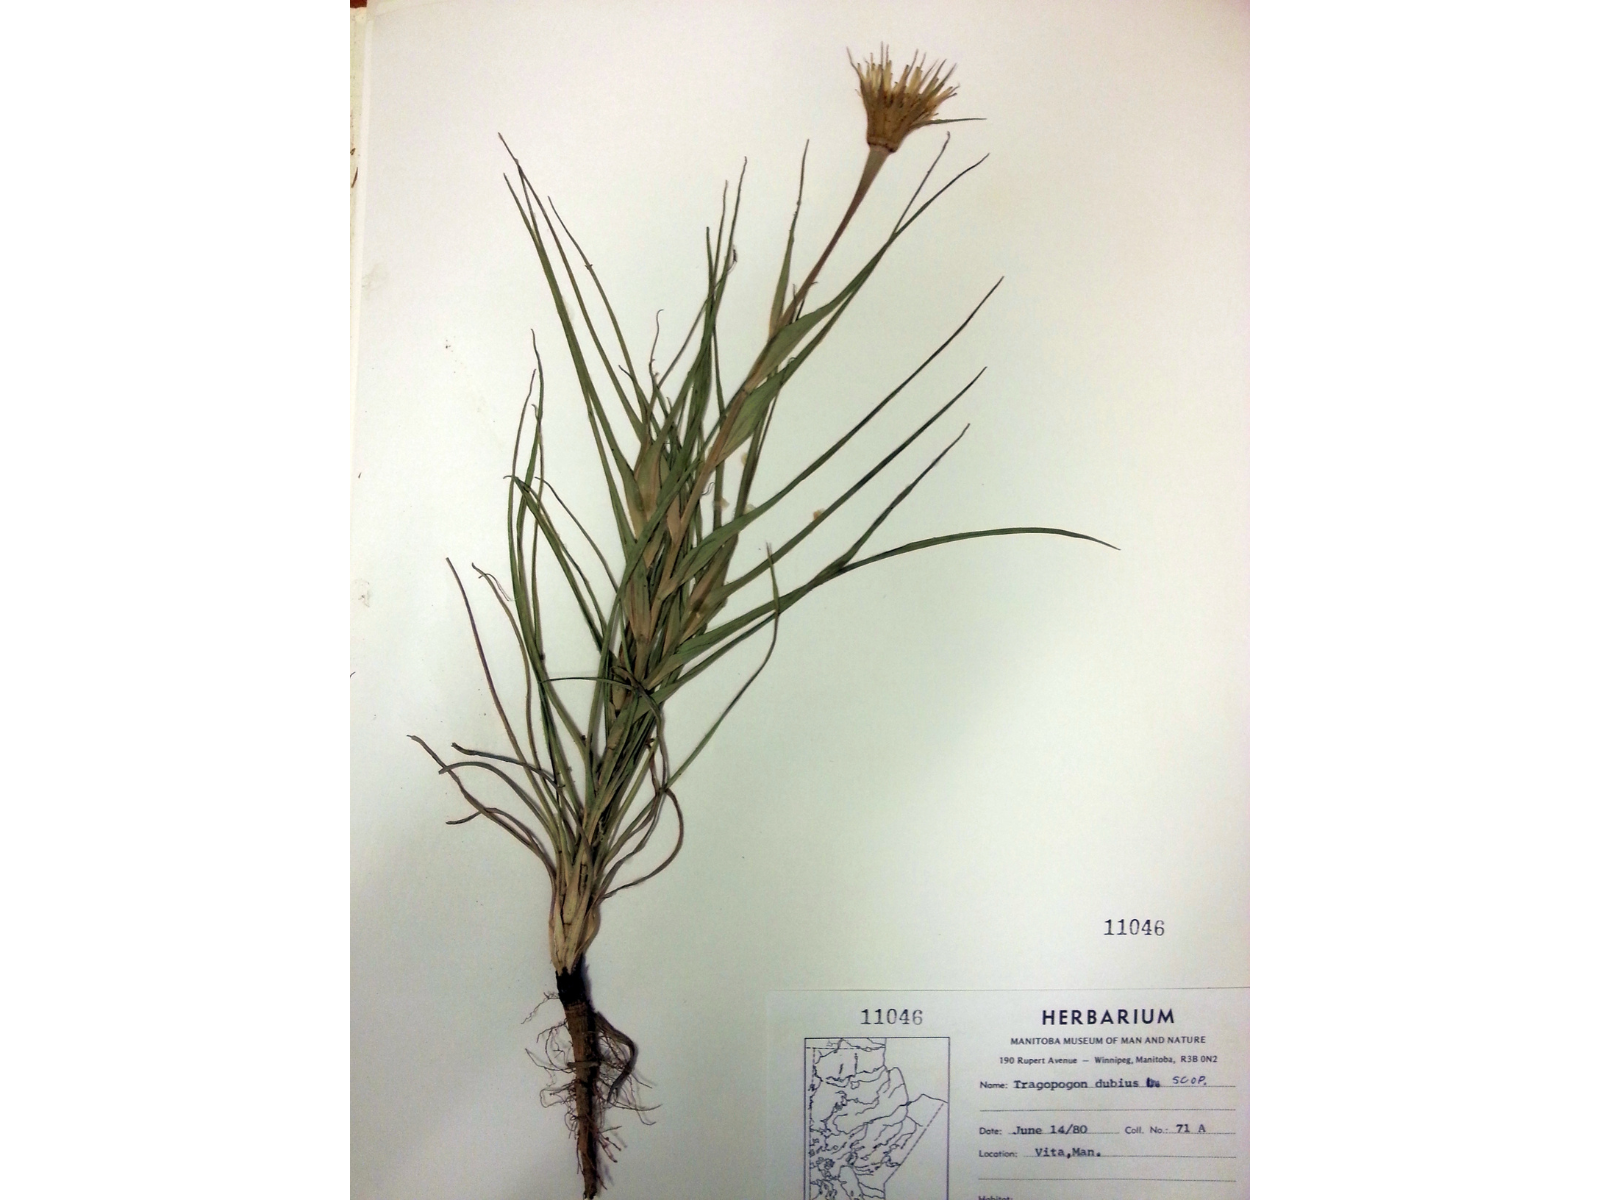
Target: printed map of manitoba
(877,1118)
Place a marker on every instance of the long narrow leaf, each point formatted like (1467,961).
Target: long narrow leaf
(738,524)
(605,438)
(636,418)
(816,522)
(569,566)
(1010,531)
(780,296)
(698,646)
(739,695)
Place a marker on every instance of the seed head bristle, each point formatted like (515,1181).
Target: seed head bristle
(899,107)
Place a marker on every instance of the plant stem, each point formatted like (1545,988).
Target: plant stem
(876,157)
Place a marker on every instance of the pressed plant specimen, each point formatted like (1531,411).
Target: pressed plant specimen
(586,759)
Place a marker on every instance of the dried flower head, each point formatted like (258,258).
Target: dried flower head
(897,107)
